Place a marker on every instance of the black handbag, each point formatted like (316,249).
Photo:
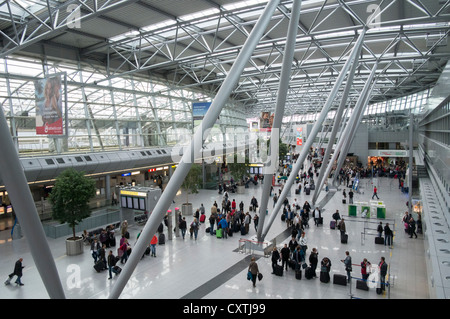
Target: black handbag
(260,276)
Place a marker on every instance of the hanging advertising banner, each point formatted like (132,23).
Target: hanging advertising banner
(299,135)
(49,111)
(199,110)
(266,122)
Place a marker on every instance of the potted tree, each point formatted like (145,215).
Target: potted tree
(70,198)
(238,168)
(191,185)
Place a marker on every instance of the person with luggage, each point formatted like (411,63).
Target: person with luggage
(111,263)
(342,227)
(275,259)
(348,265)
(325,270)
(17,272)
(350,196)
(223,226)
(388,235)
(383,272)
(317,216)
(254,270)
(293,244)
(336,217)
(95,247)
(380,229)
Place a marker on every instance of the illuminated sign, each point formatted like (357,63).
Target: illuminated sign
(133,193)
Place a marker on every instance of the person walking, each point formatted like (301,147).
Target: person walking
(111,263)
(17,272)
(194,228)
(348,265)
(375,192)
(254,270)
(255,222)
(350,196)
(412,227)
(183,227)
(342,227)
(95,248)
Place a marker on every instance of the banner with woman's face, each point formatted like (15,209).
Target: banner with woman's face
(49,115)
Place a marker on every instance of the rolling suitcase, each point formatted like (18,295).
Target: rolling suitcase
(147,251)
(99,266)
(340,279)
(297,191)
(298,274)
(313,187)
(219,233)
(116,270)
(230,232)
(243,232)
(344,238)
(320,220)
(309,273)
(202,218)
(379,240)
(332,224)
(361,284)
(324,277)
(161,239)
(278,270)
(344,201)
(307,191)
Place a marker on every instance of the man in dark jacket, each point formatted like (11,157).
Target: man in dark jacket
(285,252)
(275,258)
(17,272)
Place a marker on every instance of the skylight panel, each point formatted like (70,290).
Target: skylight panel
(199,14)
(242,4)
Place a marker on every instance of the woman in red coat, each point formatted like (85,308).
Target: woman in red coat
(153,243)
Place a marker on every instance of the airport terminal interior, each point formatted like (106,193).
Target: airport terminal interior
(213,137)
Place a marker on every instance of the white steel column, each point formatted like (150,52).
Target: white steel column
(314,131)
(193,151)
(279,112)
(25,209)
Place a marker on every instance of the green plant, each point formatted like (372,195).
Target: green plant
(238,168)
(192,181)
(70,198)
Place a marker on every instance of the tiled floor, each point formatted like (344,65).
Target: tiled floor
(212,268)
